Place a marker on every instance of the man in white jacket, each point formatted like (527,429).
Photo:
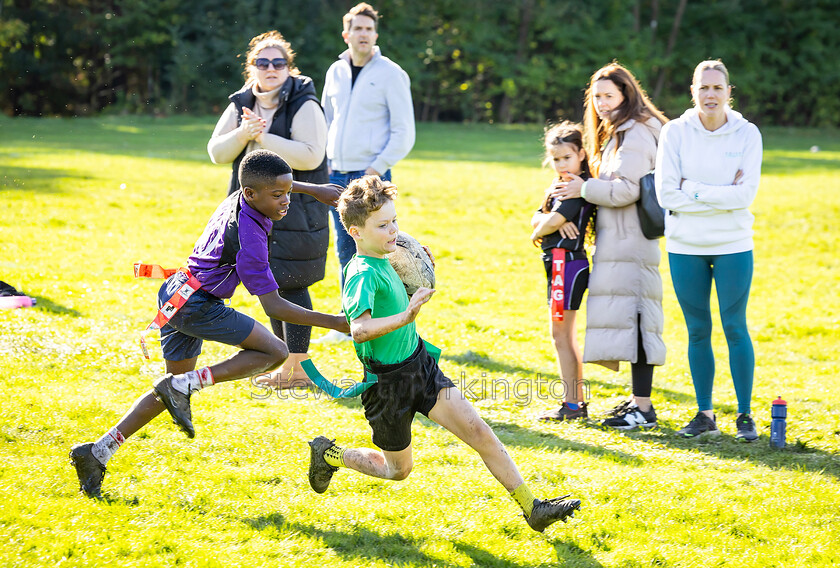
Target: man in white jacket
(370,116)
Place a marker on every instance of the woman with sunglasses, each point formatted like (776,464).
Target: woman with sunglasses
(278,110)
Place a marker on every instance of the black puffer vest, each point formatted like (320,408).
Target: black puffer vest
(298,244)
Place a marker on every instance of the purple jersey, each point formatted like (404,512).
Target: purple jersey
(234,249)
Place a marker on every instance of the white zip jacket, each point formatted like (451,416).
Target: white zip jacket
(707,214)
(372,122)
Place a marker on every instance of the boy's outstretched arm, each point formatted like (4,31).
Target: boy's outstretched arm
(325,193)
(280,309)
(364,328)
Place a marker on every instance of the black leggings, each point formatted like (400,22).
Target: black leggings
(642,371)
(296,336)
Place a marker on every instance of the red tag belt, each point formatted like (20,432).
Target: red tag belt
(173,304)
(558,262)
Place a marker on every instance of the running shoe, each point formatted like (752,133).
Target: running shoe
(746,428)
(632,417)
(564,412)
(89,470)
(619,408)
(320,472)
(177,403)
(550,511)
(700,425)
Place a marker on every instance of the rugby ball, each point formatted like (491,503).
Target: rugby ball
(412,264)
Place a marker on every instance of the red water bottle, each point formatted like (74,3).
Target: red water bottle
(778,423)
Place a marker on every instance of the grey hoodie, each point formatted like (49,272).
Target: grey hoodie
(372,122)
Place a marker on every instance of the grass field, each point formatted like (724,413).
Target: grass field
(81,200)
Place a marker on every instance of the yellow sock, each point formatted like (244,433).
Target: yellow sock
(335,456)
(523,496)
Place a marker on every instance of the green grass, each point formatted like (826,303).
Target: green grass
(237,494)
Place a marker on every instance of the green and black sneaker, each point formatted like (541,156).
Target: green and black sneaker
(700,425)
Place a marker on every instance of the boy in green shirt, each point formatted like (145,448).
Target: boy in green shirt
(381,320)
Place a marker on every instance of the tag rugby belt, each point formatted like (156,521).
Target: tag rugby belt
(558,292)
(173,304)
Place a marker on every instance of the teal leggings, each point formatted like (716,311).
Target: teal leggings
(692,277)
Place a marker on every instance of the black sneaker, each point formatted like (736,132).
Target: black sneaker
(563,412)
(550,511)
(746,428)
(619,408)
(632,417)
(177,403)
(320,472)
(9,290)
(89,469)
(700,425)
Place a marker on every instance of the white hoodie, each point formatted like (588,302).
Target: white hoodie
(707,214)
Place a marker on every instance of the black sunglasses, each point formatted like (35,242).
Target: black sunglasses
(262,63)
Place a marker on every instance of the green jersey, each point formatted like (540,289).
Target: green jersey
(371,284)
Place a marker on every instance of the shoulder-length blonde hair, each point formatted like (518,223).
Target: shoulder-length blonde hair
(636,105)
(269,39)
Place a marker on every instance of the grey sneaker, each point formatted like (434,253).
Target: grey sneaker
(700,425)
(89,470)
(177,403)
(746,428)
(320,472)
(632,417)
(564,412)
(550,511)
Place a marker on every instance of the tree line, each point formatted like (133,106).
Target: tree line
(469,60)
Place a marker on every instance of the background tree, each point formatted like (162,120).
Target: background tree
(469,60)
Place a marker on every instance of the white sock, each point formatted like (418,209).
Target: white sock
(107,445)
(193,381)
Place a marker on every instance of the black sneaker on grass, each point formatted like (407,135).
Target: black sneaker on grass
(550,511)
(619,408)
(746,428)
(89,470)
(700,425)
(632,417)
(320,472)
(564,412)
(177,403)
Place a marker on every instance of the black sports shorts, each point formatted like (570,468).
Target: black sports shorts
(402,390)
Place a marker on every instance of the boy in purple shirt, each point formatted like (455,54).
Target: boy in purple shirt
(232,249)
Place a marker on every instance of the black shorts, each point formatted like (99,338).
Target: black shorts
(402,390)
(575,278)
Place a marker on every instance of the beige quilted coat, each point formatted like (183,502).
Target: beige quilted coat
(625,288)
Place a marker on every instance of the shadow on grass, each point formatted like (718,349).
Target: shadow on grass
(49,306)
(362,545)
(486,363)
(796,456)
(38,180)
(514,435)
(793,165)
(566,552)
(489,365)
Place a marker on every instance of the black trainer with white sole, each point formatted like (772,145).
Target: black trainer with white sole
(632,417)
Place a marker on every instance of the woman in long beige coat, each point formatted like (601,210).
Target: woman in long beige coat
(624,318)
